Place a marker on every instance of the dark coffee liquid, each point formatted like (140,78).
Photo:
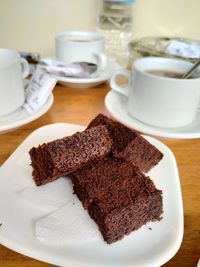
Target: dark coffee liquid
(80,40)
(170,74)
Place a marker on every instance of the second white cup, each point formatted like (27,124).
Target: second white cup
(77,46)
(157,100)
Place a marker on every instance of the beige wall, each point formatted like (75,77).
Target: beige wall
(31,25)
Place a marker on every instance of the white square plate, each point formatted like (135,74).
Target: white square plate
(152,245)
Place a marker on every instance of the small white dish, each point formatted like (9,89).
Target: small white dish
(102,77)
(116,105)
(21,117)
(18,216)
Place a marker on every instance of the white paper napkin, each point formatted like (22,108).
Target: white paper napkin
(70,223)
(50,196)
(65,219)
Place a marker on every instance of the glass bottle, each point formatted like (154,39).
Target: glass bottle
(114,22)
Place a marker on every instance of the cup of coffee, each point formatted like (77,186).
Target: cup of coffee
(13,70)
(77,46)
(156,92)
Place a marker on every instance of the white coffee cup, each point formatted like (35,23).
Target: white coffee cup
(77,46)
(12,71)
(156,100)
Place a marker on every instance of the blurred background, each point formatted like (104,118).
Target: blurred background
(31,25)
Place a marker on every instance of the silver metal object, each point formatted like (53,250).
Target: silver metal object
(191,71)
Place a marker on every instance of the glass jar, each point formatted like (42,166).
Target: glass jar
(158,46)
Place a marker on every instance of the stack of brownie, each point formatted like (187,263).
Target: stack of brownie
(106,163)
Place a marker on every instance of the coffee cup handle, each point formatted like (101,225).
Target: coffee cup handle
(122,89)
(101,61)
(25,67)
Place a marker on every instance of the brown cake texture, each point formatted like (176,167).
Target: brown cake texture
(63,156)
(106,164)
(118,196)
(129,144)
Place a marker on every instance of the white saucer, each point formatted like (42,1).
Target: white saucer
(21,117)
(89,82)
(116,104)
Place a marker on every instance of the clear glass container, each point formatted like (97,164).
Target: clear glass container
(156,46)
(114,22)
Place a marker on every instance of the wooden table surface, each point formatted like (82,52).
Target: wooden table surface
(79,106)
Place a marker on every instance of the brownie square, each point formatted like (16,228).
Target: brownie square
(129,144)
(63,156)
(118,196)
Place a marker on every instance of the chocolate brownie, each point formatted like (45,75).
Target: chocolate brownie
(129,144)
(118,196)
(63,156)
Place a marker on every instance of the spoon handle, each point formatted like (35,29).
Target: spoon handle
(189,73)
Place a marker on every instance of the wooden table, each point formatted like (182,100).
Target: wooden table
(79,106)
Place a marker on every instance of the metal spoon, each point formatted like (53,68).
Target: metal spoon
(191,71)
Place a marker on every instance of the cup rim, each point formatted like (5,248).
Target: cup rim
(95,36)
(162,59)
